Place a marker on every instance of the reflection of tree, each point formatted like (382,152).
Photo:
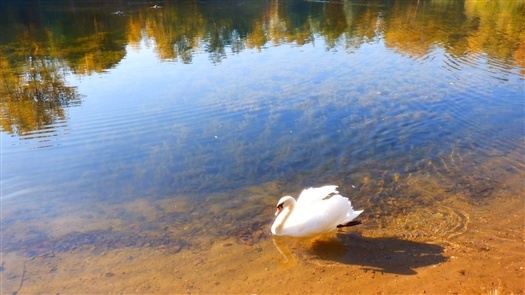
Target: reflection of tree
(38,52)
(182,30)
(498,29)
(36,98)
(32,87)
(285,24)
(410,29)
(175,29)
(85,56)
(41,47)
(335,23)
(257,38)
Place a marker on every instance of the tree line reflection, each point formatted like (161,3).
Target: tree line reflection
(43,42)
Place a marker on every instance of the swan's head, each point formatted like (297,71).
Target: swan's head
(284,202)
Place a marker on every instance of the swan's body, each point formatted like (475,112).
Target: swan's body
(316,211)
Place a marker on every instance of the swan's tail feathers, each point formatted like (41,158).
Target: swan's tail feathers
(351,216)
(351,223)
(355,214)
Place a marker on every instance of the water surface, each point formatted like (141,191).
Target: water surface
(173,131)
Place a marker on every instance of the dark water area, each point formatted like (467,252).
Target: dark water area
(122,118)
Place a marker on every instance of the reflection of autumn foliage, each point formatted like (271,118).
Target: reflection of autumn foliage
(257,38)
(499,29)
(335,23)
(33,86)
(280,26)
(37,54)
(32,82)
(35,99)
(414,28)
(176,30)
(410,29)
(86,57)
(519,56)
(496,28)
(182,29)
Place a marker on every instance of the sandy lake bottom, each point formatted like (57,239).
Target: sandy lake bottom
(449,244)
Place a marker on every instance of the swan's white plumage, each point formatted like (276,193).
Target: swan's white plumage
(313,194)
(316,211)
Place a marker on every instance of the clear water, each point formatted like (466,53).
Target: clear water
(177,126)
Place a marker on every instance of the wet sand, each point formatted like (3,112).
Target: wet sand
(450,244)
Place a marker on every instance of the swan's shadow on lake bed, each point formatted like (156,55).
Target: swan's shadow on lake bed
(381,254)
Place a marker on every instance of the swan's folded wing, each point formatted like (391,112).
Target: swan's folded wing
(317,218)
(314,194)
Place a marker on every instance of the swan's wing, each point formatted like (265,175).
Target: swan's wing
(310,219)
(315,194)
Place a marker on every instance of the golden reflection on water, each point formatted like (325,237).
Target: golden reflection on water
(35,100)
(179,30)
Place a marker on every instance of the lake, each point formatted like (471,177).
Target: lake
(144,147)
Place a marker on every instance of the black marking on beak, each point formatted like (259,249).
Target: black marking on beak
(279,209)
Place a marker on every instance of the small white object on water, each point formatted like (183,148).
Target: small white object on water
(317,211)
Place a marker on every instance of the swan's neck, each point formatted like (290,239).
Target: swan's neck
(278,225)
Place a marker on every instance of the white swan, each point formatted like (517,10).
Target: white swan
(317,211)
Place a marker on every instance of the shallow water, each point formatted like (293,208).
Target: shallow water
(144,152)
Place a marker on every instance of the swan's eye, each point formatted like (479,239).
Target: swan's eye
(280,206)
